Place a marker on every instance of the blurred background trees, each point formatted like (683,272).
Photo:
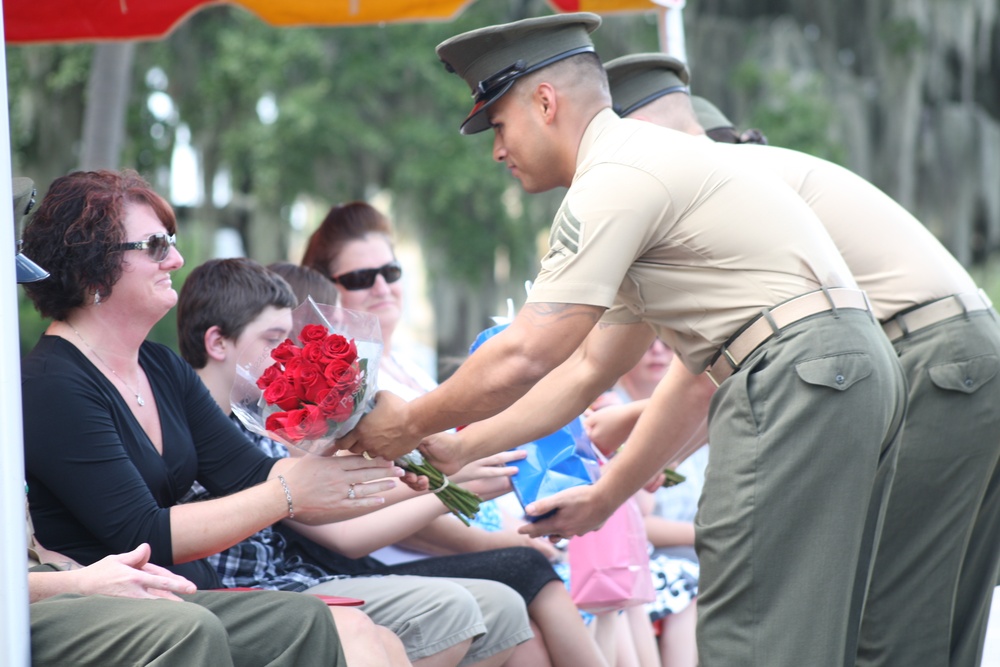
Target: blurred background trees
(253,132)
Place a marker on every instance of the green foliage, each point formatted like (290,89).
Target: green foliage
(45,90)
(902,36)
(359,110)
(792,112)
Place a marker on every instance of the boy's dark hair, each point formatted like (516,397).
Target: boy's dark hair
(306,281)
(229,294)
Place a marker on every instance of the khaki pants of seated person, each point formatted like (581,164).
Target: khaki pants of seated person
(217,629)
(430,614)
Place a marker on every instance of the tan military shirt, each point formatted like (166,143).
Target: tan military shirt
(894,258)
(670,234)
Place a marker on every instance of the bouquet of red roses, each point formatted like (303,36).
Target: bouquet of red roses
(312,388)
(315,386)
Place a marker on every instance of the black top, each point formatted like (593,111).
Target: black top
(97,486)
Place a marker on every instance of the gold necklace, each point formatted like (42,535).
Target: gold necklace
(138,397)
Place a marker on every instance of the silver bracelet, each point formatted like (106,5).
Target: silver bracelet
(288,496)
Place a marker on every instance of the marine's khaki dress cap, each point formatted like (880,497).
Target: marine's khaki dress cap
(709,116)
(638,79)
(491,59)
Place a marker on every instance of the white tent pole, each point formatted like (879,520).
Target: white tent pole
(14,639)
(671,28)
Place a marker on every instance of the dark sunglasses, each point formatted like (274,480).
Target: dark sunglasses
(365,278)
(156,246)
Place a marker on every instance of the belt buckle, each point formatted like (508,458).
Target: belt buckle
(733,366)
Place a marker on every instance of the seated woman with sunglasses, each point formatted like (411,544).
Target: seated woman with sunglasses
(353,246)
(116,428)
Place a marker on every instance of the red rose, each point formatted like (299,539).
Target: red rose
(281,392)
(276,422)
(309,382)
(292,366)
(342,376)
(313,353)
(270,374)
(337,406)
(295,425)
(312,333)
(337,347)
(286,351)
(308,423)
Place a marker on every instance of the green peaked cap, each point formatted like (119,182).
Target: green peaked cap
(638,79)
(493,58)
(709,116)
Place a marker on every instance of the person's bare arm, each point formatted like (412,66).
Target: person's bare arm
(609,427)
(669,533)
(360,536)
(319,490)
(445,536)
(560,397)
(541,337)
(675,413)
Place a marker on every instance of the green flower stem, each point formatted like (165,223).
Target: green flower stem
(673,478)
(462,503)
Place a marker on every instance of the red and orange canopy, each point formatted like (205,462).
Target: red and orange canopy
(87,20)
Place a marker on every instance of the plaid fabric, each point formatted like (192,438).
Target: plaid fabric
(260,561)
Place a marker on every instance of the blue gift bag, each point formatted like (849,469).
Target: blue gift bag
(554,463)
(485,335)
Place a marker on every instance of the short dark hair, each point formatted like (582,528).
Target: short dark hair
(581,67)
(345,223)
(306,281)
(75,231)
(229,294)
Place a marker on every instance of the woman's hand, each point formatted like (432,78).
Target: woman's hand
(489,477)
(130,575)
(333,488)
(490,467)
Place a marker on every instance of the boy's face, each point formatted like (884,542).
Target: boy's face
(266,331)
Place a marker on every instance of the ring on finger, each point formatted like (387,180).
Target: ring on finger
(351,495)
(367,456)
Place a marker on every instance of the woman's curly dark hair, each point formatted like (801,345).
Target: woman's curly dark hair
(75,231)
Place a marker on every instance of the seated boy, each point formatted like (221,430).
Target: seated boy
(235,308)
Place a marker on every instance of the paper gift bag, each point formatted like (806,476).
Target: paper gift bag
(609,567)
(554,463)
